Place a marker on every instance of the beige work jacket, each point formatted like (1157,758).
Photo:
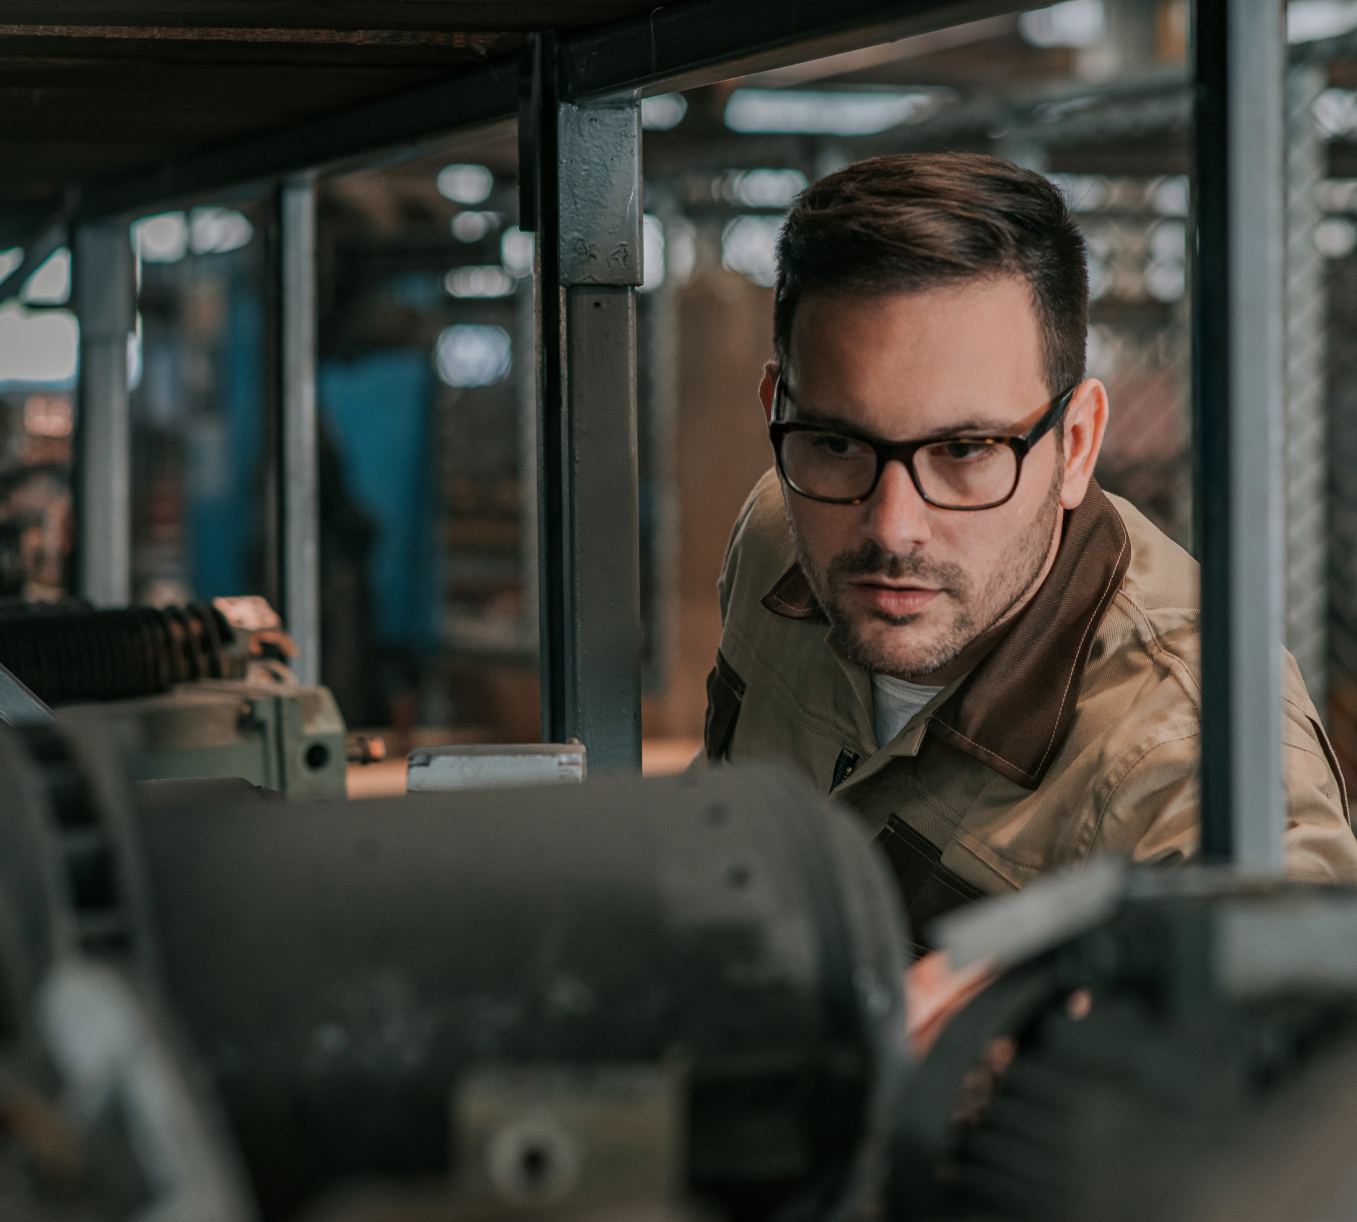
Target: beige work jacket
(1077,734)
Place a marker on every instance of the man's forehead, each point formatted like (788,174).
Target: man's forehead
(965,347)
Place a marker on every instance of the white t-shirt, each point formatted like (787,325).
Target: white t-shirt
(894,702)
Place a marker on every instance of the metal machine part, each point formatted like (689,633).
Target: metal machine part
(574,997)
(434,769)
(76,653)
(103,1116)
(175,675)
(346,972)
(631,995)
(18,705)
(286,738)
(1143,1025)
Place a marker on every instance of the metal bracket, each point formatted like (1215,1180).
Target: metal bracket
(18,705)
(600,219)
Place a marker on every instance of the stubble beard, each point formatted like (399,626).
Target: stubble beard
(968,611)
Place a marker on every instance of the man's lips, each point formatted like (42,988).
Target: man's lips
(895,600)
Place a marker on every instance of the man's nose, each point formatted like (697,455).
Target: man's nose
(897,516)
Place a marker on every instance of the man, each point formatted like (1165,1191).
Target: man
(929,605)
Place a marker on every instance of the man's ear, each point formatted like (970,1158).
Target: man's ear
(1085,424)
(766,388)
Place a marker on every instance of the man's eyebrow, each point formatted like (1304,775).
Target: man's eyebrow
(975,427)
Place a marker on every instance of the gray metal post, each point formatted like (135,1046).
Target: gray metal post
(583,172)
(658,427)
(1240,427)
(104,293)
(301,498)
(1307,603)
(525,337)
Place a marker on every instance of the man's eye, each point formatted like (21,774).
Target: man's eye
(835,446)
(960,451)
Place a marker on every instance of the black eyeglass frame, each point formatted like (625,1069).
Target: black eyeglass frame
(904,451)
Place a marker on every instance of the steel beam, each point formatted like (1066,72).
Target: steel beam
(473,98)
(585,189)
(104,294)
(300,453)
(672,47)
(1239,397)
(39,249)
(701,42)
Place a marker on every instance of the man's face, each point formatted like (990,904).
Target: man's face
(907,586)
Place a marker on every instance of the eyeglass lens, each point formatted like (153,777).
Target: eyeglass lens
(951,474)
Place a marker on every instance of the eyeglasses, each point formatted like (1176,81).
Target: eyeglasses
(962,472)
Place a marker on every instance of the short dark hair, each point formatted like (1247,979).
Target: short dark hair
(921,220)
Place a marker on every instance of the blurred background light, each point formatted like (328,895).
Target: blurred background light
(837,114)
(486,281)
(473,355)
(214,231)
(162,238)
(1168,240)
(680,249)
(765,188)
(515,249)
(1337,195)
(1170,197)
(465,184)
(1097,277)
(1082,192)
(652,262)
(473,226)
(134,356)
(1335,111)
(1166,280)
(663,111)
(1335,237)
(1075,23)
(10,259)
(38,348)
(1308,20)
(51,283)
(48,416)
(749,246)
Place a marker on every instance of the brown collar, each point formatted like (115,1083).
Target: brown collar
(1013,710)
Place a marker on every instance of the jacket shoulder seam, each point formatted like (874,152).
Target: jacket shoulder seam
(1131,766)
(1178,666)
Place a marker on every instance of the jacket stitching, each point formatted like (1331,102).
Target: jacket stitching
(1064,699)
(1093,619)
(985,750)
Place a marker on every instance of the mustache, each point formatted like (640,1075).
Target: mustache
(873,560)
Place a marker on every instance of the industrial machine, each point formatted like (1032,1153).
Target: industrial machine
(625,992)
(201,691)
(1148,1034)
(672,999)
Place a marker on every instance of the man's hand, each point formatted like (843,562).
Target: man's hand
(934,993)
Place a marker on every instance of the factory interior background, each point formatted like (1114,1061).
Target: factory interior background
(426,369)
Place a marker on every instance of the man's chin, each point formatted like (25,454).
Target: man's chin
(886,645)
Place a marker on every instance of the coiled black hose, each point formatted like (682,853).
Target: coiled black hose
(72,655)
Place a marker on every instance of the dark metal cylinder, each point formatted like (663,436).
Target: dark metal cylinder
(343,968)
